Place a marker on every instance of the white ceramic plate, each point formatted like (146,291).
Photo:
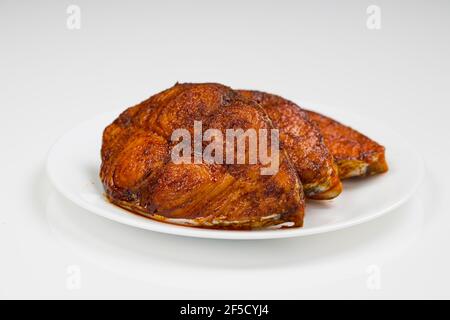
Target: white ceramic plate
(74,161)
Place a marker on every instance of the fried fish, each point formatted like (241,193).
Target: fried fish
(138,172)
(304,144)
(355,154)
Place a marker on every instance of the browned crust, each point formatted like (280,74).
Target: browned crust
(304,144)
(138,175)
(356,154)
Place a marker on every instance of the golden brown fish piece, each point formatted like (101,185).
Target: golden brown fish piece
(304,144)
(138,172)
(355,154)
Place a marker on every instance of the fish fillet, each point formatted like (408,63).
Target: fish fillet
(304,144)
(138,172)
(355,154)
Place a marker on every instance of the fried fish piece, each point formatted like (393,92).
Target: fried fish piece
(304,144)
(138,172)
(355,154)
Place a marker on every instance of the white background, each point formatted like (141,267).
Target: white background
(52,78)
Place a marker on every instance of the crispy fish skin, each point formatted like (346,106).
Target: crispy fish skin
(304,144)
(138,173)
(355,154)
